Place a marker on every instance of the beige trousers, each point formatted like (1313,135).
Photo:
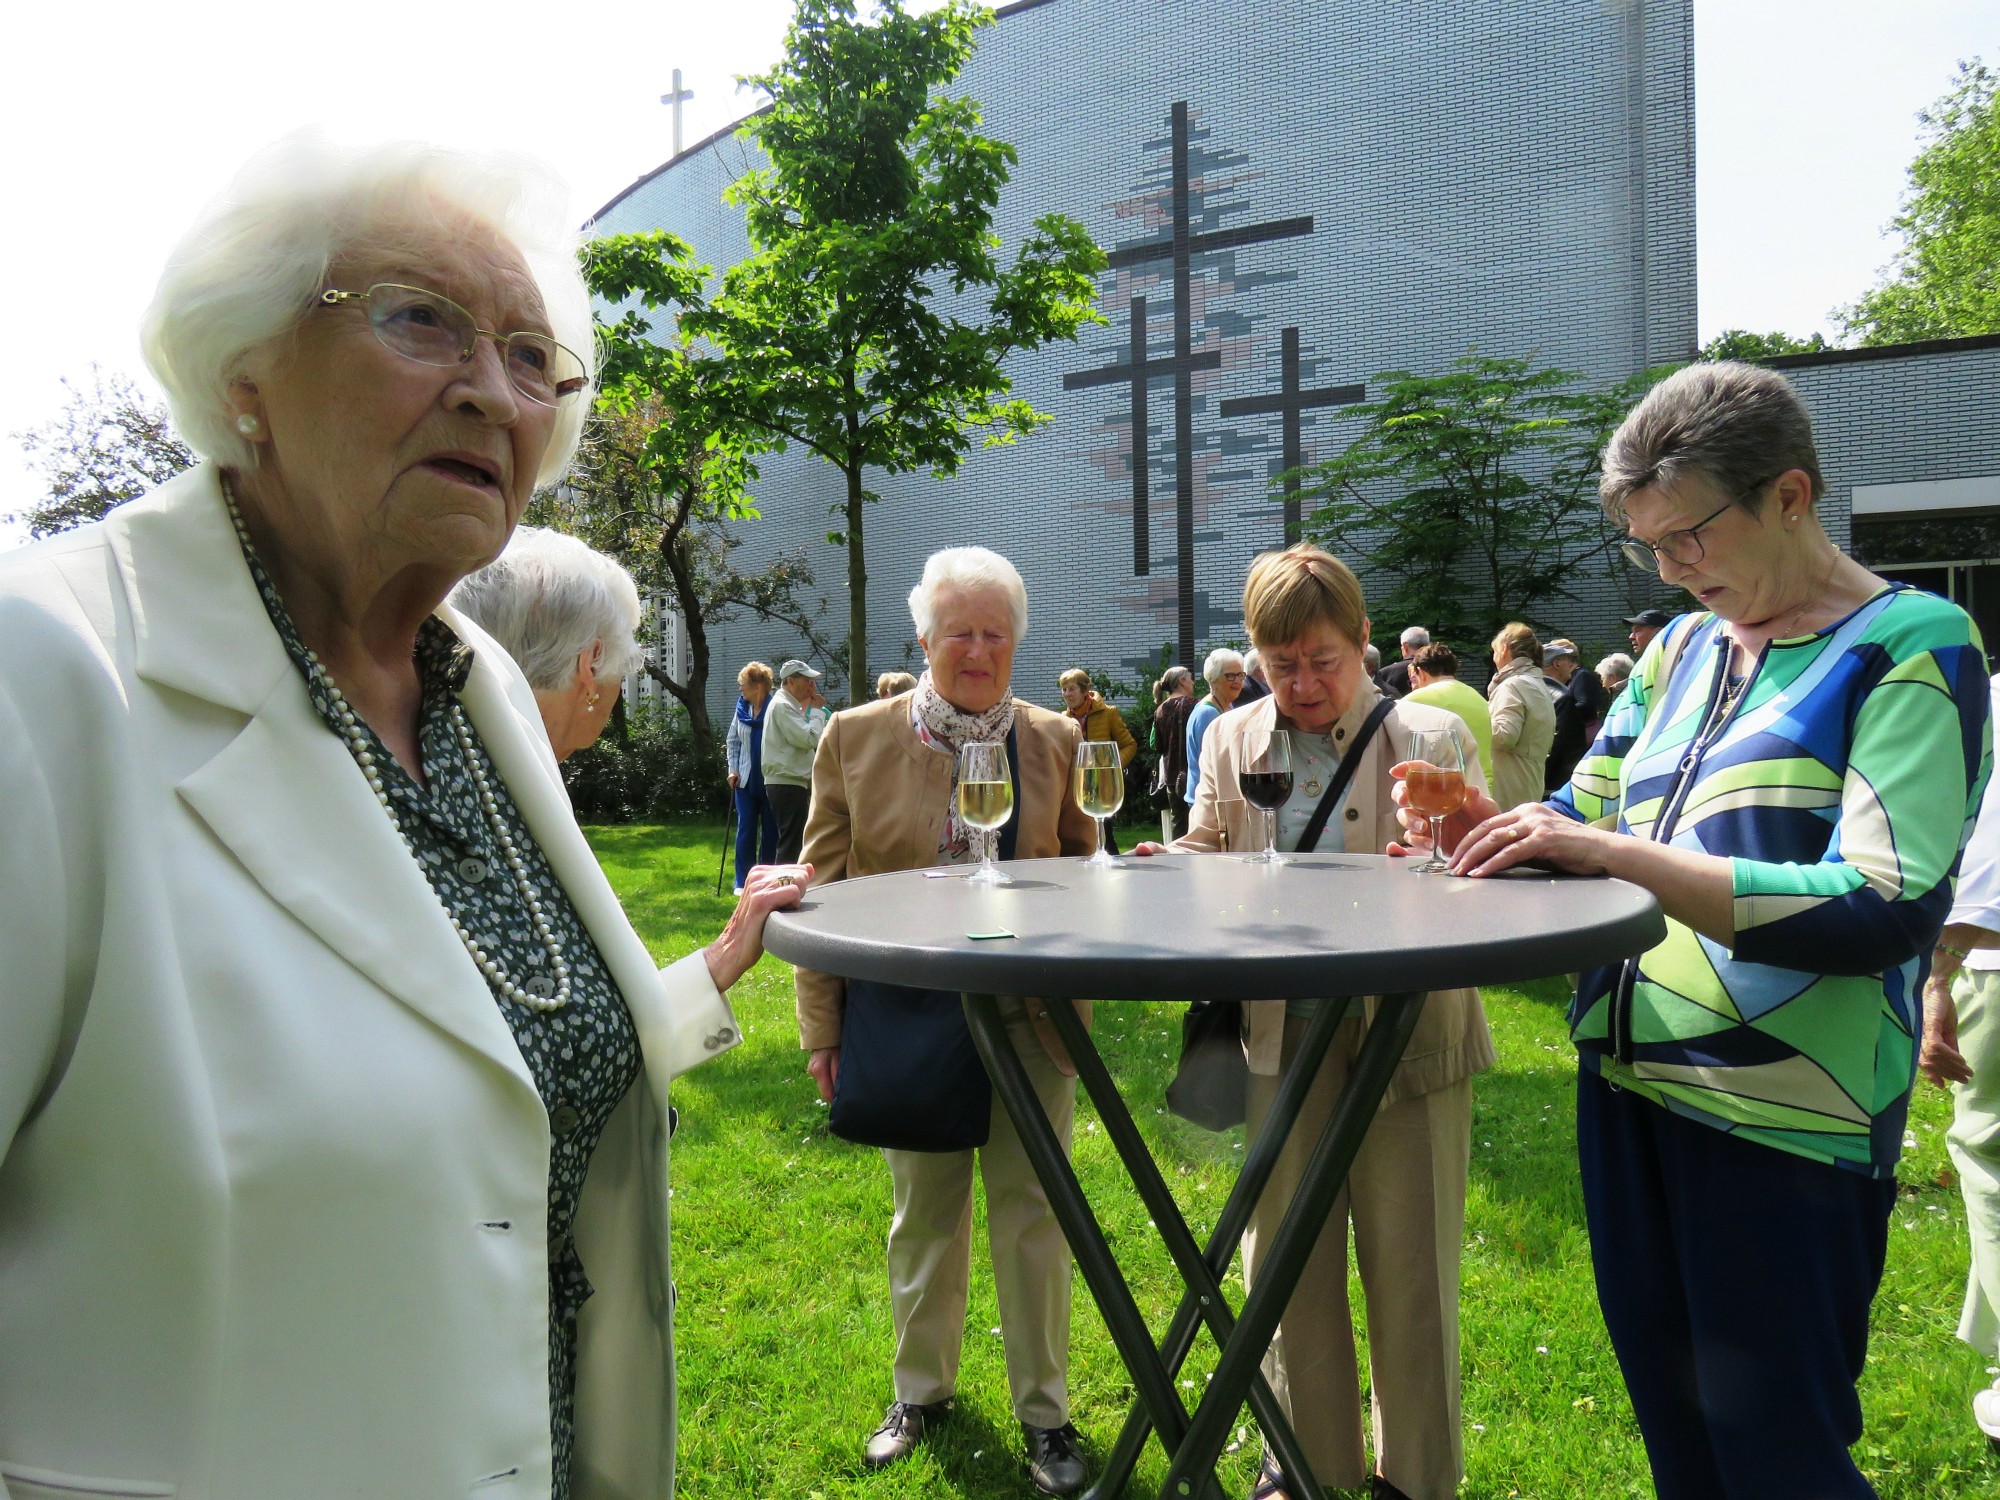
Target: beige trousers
(1974,1141)
(930,1253)
(1406,1201)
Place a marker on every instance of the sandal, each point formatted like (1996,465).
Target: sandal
(1270,1483)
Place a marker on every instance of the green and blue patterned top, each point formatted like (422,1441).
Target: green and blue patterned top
(1840,777)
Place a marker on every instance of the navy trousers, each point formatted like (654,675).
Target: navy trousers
(1735,1280)
(756,832)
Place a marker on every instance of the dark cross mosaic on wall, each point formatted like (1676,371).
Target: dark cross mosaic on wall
(1187,240)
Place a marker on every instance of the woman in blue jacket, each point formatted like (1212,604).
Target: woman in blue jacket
(756,824)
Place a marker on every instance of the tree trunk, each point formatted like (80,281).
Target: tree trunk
(692,694)
(697,685)
(859,688)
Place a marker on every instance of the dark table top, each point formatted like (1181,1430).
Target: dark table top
(1210,927)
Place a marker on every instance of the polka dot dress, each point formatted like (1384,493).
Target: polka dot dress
(583,1057)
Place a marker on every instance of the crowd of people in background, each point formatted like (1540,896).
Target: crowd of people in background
(1541,710)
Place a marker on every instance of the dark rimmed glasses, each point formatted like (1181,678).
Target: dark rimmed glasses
(1683,547)
(434,330)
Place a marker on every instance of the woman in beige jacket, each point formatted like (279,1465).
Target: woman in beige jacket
(1406,1195)
(883,797)
(1524,717)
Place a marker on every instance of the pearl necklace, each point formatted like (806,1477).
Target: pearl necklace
(538,993)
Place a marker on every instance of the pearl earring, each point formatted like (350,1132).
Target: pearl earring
(248,425)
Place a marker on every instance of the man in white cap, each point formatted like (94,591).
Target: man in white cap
(791,735)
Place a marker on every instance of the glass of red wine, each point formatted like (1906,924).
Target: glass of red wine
(1264,776)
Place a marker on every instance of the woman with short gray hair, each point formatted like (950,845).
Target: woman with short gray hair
(885,797)
(1225,674)
(569,616)
(1791,771)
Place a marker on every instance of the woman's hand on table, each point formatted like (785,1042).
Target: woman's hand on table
(824,1065)
(770,888)
(1536,834)
(1151,846)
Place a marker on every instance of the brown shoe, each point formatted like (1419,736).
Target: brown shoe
(901,1430)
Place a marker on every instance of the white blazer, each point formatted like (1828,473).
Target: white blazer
(273,1174)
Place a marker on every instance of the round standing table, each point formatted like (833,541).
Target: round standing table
(1208,927)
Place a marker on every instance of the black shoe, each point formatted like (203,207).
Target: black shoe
(901,1430)
(1380,1489)
(1055,1461)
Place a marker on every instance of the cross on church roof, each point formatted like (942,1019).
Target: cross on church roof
(677,98)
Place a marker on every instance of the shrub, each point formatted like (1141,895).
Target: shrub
(650,773)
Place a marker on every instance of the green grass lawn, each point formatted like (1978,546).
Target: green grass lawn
(784,1337)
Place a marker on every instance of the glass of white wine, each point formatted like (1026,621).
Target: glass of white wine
(1099,783)
(985,802)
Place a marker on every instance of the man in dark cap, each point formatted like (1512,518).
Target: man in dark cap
(1645,625)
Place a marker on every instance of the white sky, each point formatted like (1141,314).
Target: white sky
(123,117)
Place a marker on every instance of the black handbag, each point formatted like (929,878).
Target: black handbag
(1211,1087)
(909,1077)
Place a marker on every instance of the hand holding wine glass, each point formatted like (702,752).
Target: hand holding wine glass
(1265,778)
(1434,785)
(985,801)
(1099,783)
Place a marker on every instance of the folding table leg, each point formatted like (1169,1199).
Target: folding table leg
(1285,1259)
(1080,1227)
(1201,1271)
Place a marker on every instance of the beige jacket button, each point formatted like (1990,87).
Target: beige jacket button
(1354,815)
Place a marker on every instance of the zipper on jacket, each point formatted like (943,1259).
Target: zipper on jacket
(1620,1019)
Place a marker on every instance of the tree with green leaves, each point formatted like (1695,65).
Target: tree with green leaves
(1741,343)
(666,462)
(1472,492)
(872,322)
(1945,280)
(108,444)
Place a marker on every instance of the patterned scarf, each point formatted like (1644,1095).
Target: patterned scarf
(945,728)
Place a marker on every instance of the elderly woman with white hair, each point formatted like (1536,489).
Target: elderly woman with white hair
(569,616)
(1225,674)
(333,1123)
(884,797)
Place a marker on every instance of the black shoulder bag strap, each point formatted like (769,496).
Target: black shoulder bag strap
(1010,830)
(1342,775)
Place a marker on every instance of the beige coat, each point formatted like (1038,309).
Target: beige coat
(1524,729)
(878,805)
(1451,1040)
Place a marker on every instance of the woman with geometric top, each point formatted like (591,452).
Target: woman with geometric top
(1792,772)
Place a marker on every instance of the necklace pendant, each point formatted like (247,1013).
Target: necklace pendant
(1312,788)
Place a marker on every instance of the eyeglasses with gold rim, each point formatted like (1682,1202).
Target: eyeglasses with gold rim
(434,330)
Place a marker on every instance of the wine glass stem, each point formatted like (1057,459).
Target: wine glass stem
(1270,833)
(1438,860)
(1102,850)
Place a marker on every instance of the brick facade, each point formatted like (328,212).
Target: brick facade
(1517,179)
